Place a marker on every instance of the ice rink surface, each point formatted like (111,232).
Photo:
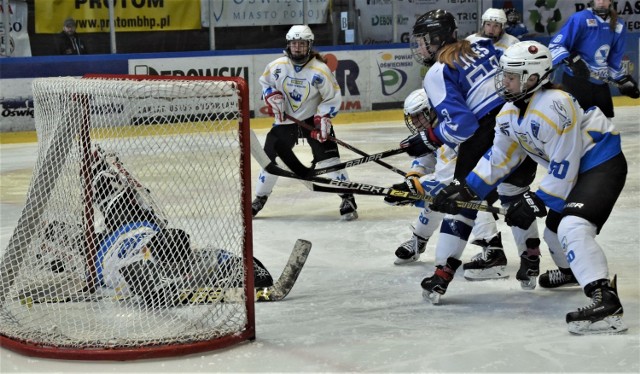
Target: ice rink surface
(353,310)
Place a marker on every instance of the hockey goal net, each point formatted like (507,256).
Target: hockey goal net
(135,240)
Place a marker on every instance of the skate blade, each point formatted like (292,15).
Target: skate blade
(496,272)
(530,284)
(350,216)
(432,297)
(402,261)
(609,325)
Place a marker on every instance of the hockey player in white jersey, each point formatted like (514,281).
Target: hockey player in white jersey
(493,27)
(586,173)
(461,91)
(435,172)
(590,46)
(301,85)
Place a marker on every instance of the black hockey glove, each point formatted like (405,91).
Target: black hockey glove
(411,185)
(445,200)
(628,87)
(524,211)
(577,66)
(421,143)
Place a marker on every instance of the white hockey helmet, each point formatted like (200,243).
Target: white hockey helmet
(525,59)
(418,113)
(494,15)
(299,32)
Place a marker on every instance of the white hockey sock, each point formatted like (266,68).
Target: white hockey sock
(484,226)
(265,183)
(585,256)
(453,237)
(427,223)
(555,249)
(340,175)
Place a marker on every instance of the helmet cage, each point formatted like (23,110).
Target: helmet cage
(525,59)
(299,33)
(434,28)
(418,114)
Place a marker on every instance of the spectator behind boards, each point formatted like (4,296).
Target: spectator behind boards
(68,42)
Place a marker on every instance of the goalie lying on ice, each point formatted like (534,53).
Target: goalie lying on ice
(139,254)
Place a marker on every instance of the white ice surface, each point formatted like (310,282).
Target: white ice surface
(353,310)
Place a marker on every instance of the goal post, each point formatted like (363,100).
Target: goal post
(135,240)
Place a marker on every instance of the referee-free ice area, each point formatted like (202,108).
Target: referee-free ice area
(353,310)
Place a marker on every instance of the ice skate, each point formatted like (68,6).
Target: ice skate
(603,315)
(348,208)
(557,278)
(491,263)
(258,204)
(528,272)
(410,250)
(436,285)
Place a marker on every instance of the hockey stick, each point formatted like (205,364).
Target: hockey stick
(336,186)
(198,295)
(306,126)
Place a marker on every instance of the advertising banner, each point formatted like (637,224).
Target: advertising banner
(130,15)
(16,102)
(376,26)
(18,43)
(263,13)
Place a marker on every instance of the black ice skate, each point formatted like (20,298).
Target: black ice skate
(557,278)
(603,315)
(436,285)
(491,263)
(348,207)
(258,204)
(528,272)
(410,250)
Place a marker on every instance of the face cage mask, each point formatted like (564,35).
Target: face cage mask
(602,12)
(427,58)
(420,121)
(299,60)
(501,90)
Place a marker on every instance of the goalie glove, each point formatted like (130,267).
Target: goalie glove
(275,102)
(421,143)
(412,185)
(524,211)
(577,66)
(445,200)
(322,128)
(628,86)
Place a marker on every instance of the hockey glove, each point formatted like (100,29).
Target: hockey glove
(524,211)
(411,185)
(445,200)
(275,101)
(322,128)
(421,143)
(577,66)
(628,87)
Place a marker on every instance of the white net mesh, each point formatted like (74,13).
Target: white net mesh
(133,232)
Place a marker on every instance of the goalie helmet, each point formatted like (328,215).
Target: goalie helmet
(524,59)
(418,113)
(432,31)
(297,33)
(513,17)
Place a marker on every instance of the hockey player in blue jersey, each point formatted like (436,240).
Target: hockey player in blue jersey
(586,173)
(460,88)
(591,46)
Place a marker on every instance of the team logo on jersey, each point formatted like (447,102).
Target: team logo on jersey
(276,73)
(591,22)
(563,118)
(602,54)
(535,129)
(504,128)
(296,90)
(527,143)
(316,80)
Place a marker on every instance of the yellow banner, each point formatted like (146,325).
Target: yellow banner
(129,15)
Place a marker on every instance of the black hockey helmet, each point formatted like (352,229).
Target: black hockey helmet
(436,28)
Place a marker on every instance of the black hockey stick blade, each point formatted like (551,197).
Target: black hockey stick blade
(347,146)
(290,273)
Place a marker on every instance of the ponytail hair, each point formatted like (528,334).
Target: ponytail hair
(455,52)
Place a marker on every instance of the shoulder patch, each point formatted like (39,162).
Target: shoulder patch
(591,22)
